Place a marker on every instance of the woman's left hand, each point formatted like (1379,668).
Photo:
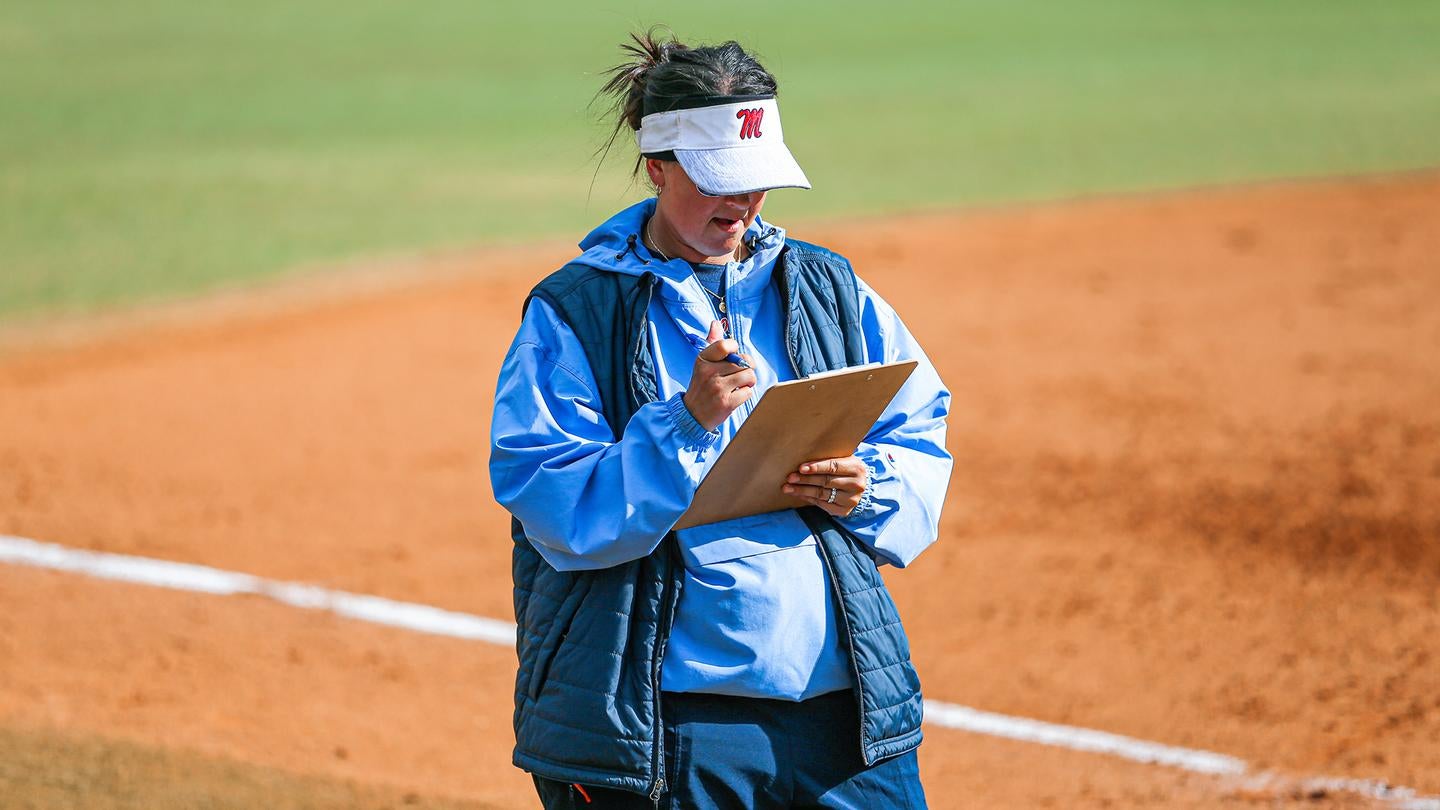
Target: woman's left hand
(833,484)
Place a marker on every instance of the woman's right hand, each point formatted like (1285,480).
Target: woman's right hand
(717,386)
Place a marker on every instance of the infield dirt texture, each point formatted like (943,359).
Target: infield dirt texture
(1196,500)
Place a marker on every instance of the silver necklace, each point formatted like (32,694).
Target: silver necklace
(655,246)
(719,299)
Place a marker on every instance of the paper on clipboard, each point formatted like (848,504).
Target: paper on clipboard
(825,415)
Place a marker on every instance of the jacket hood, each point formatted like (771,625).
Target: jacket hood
(616,245)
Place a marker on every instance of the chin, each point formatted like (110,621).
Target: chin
(716,251)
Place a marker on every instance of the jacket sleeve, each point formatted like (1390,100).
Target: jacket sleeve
(899,515)
(586,499)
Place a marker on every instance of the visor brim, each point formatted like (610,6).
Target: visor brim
(743,170)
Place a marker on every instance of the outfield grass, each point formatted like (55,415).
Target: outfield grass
(161,147)
(48,770)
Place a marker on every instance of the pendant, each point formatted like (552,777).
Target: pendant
(723,310)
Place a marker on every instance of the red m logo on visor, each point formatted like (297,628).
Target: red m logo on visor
(751,126)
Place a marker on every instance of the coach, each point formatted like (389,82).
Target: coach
(752,663)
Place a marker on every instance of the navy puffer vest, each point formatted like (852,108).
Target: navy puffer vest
(590,643)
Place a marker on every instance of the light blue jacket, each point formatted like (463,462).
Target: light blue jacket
(755,617)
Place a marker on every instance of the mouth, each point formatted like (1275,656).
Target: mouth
(728,225)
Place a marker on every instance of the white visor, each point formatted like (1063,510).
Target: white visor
(730,148)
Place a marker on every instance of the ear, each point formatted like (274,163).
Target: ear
(656,169)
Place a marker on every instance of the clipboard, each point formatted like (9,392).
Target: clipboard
(825,415)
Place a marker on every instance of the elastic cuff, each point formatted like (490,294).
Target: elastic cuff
(866,507)
(695,435)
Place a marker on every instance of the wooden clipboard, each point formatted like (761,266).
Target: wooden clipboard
(825,415)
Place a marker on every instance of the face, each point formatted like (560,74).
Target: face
(698,228)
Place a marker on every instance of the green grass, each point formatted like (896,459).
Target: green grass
(48,770)
(160,147)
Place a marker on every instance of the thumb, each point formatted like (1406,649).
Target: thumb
(717,332)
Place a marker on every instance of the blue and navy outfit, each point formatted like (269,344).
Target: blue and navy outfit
(596,456)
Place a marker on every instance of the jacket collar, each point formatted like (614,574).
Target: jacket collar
(617,245)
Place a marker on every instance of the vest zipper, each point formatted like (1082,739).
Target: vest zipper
(651,281)
(849,643)
(662,632)
(662,638)
(785,294)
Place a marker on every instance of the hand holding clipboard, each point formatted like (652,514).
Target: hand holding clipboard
(822,416)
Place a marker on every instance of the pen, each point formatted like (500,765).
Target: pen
(702,346)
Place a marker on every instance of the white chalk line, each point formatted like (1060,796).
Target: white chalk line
(203,579)
(435,621)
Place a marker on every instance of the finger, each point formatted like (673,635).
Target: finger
(825,466)
(822,494)
(838,509)
(725,387)
(848,465)
(720,374)
(716,368)
(844,483)
(738,396)
(718,350)
(717,331)
(739,378)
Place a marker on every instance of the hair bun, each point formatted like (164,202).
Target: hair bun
(659,65)
(627,80)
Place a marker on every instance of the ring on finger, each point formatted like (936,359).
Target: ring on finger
(831,499)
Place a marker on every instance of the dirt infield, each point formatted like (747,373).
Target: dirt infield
(1196,500)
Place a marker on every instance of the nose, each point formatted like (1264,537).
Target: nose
(743,200)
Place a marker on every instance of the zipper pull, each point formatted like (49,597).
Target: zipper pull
(657,791)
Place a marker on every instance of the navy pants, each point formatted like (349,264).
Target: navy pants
(728,753)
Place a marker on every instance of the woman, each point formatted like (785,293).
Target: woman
(756,662)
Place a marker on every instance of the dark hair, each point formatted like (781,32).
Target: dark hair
(660,69)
